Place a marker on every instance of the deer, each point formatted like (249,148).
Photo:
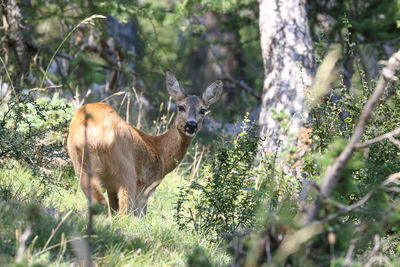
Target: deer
(128,163)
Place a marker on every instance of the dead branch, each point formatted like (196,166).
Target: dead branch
(334,171)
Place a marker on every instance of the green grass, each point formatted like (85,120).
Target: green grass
(153,240)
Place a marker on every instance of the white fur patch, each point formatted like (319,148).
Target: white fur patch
(190,134)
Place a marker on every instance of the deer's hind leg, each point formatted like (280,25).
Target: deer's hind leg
(81,168)
(96,194)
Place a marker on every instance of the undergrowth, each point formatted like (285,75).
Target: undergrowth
(154,240)
(224,198)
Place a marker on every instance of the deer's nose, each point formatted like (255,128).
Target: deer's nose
(191,126)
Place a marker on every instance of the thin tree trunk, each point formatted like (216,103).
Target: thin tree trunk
(289,67)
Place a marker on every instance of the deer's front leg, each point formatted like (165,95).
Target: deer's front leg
(140,201)
(126,199)
(142,197)
(141,205)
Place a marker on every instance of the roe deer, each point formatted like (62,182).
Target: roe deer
(127,162)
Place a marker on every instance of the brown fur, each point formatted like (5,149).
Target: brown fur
(127,162)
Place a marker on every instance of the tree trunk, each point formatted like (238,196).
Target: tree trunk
(15,40)
(289,67)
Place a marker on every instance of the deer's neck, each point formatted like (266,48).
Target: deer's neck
(173,147)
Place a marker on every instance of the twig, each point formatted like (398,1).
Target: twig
(57,245)
(140,103)
(22,240)
(88,20)
(47,87)
(115,94)
(334,171)
(196,164)
(128,104)
(392,179)
(292,242)
(394,141)
(47,78)
(379,138)
(345,209)
(122,102)
(77,103)
(372,255)
(347,260)
(54,231)
(34,46)
(89,174)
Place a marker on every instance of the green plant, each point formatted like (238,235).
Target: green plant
(33,132)
(224,198)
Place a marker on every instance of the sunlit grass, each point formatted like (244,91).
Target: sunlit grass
(153,240)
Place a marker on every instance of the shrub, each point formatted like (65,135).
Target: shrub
(33,132)
(224,198)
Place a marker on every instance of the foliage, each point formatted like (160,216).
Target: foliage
(139,40)
(33,133)
(224,198)
(360,217)
(366,17)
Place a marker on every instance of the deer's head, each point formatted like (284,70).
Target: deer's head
(190,108)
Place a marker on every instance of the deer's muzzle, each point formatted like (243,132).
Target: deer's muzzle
(191,128)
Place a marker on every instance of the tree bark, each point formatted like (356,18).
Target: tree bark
(289,67)
(15,40)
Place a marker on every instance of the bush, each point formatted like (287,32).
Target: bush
(33,133)
(224,198)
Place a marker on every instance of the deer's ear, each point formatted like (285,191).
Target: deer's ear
(213,93)
(174,88)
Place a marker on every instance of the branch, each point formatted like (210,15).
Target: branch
(242,85)
(335,170)
(292,242)
(379,138)
(392,179)
(37,48)
(345,209)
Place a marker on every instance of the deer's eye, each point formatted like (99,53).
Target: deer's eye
(203,111)
(181,108)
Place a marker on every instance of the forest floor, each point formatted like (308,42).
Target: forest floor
(58,220)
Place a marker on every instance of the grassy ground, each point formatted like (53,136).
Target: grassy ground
(58,219)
